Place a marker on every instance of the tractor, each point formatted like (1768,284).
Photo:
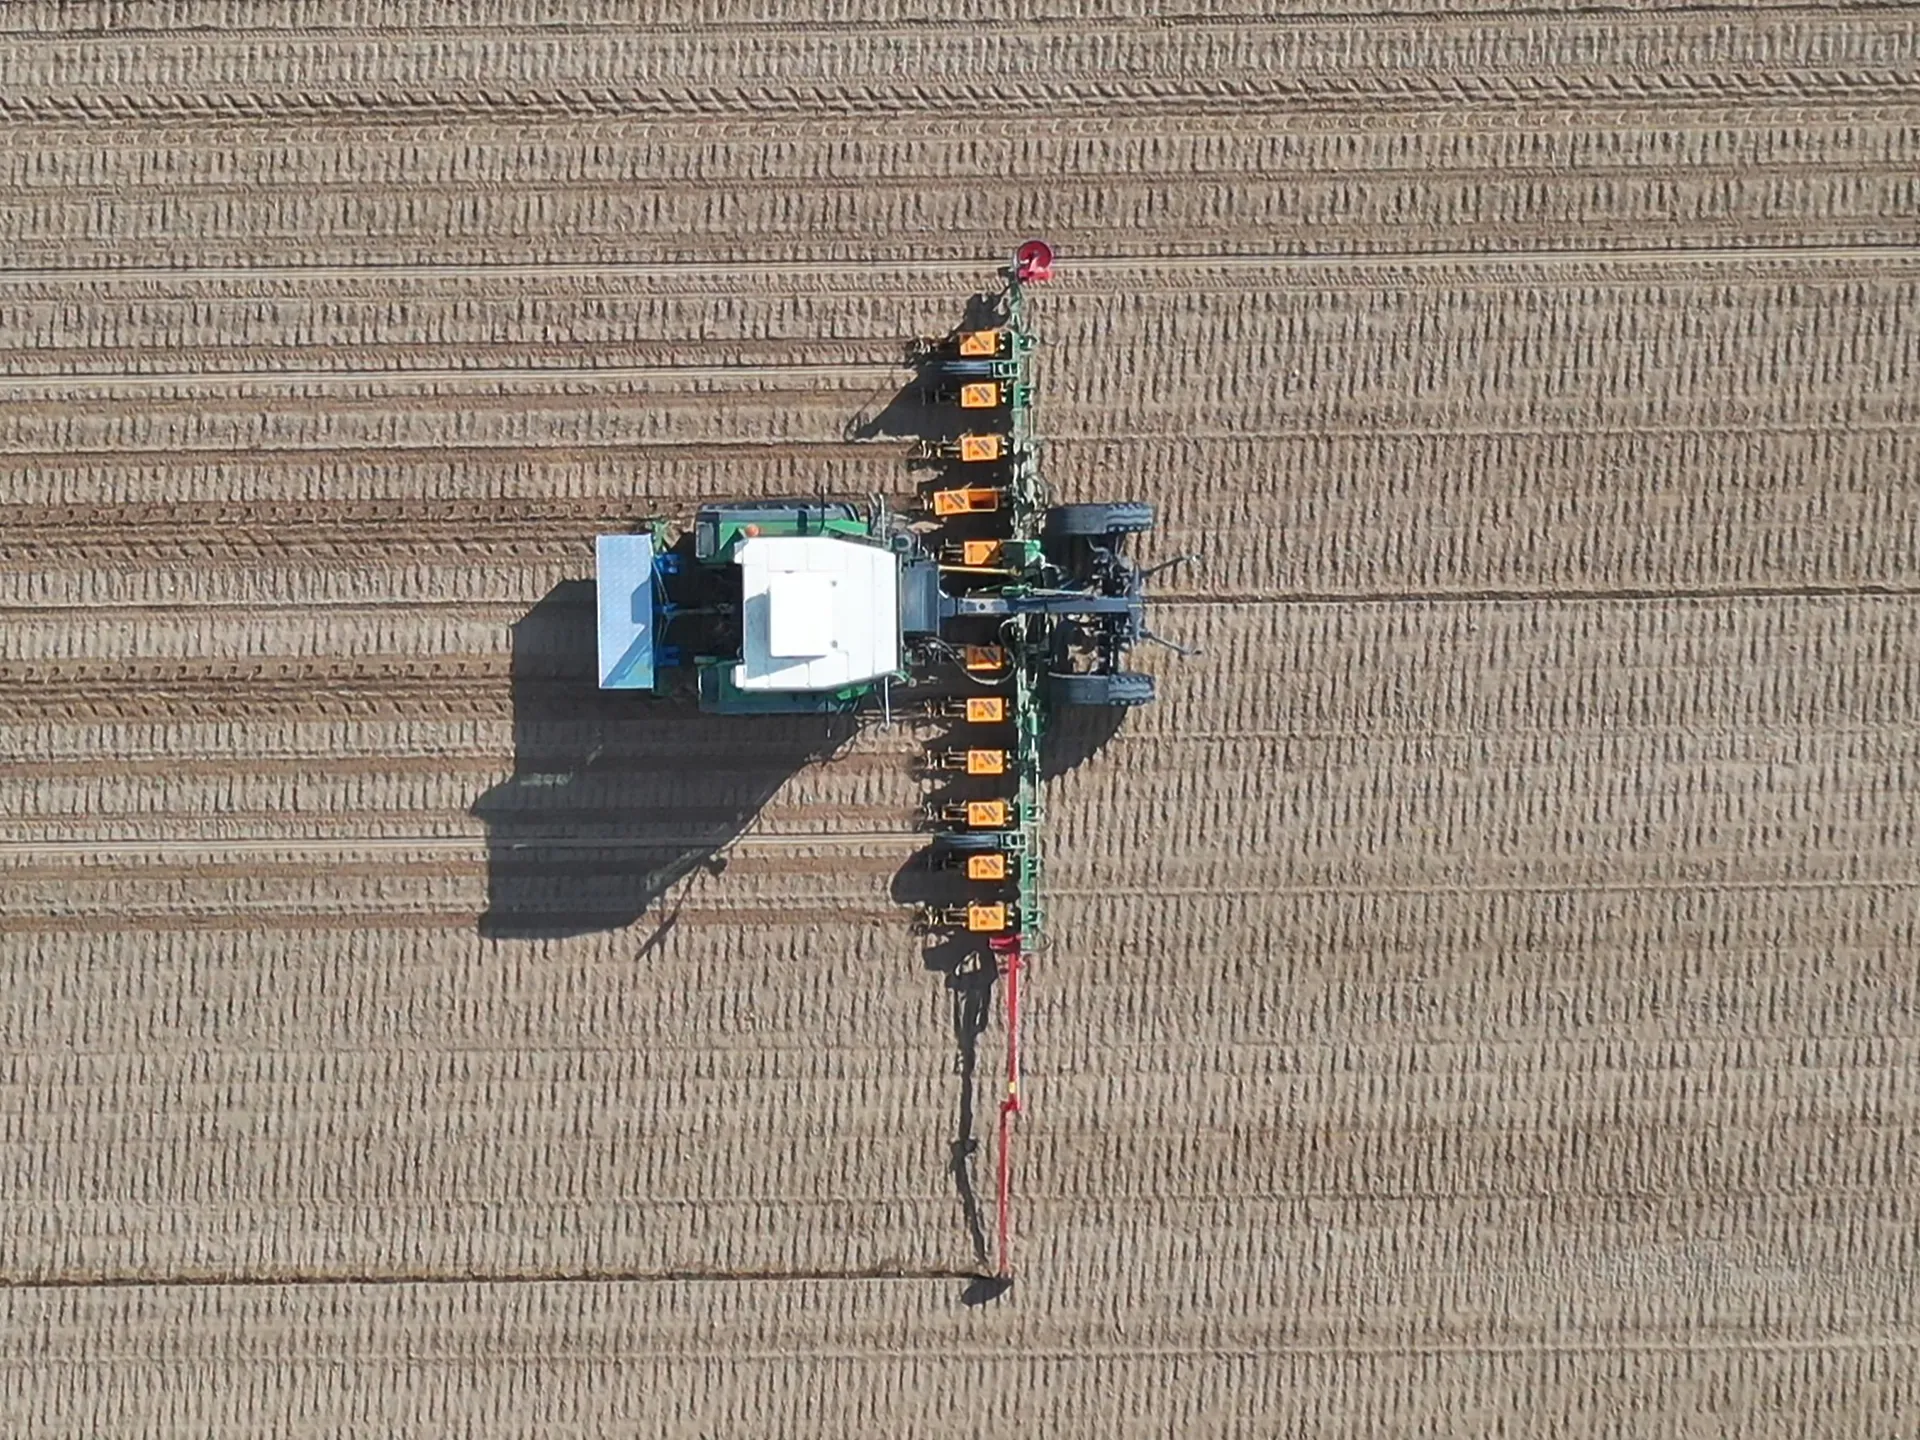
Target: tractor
(995,607)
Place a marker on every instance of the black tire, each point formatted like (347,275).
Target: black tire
(1119,517)
(1124,687)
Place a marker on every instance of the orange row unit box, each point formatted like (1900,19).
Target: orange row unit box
(989,814)
(986,709)
(972,555)
(966,500)
(982,917)
(983,659)
(974,709)
(972,449)
(991,865)
(988,919)
(974,814)
(971,762)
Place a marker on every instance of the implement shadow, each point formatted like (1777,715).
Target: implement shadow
(616,796)
(970,971)
(906,415)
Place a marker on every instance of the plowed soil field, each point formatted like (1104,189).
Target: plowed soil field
(1480,994)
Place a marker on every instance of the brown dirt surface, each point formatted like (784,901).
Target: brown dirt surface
(1479,995)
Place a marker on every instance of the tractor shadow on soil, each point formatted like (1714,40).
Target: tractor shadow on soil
(617,797)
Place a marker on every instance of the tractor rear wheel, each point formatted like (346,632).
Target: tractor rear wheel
(1123,687)
(1119,517)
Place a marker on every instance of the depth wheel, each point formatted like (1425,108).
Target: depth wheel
(1118,517)
(972,842)
(1123,687)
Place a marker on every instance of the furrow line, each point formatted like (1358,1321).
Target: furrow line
(934,272)
(172,920)
(86,380)
(1285,93)
(1139,180)
(129,849)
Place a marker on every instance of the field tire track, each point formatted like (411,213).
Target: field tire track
(1282,94)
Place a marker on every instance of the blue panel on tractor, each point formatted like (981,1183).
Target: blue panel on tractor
(623,570)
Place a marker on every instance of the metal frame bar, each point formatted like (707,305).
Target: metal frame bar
(1028,496)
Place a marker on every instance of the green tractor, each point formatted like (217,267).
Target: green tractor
(998,608)
(796,606)
(791,606)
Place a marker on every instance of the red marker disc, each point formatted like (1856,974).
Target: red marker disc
(1033,261)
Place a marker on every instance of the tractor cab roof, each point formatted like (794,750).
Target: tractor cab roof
(817,612)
